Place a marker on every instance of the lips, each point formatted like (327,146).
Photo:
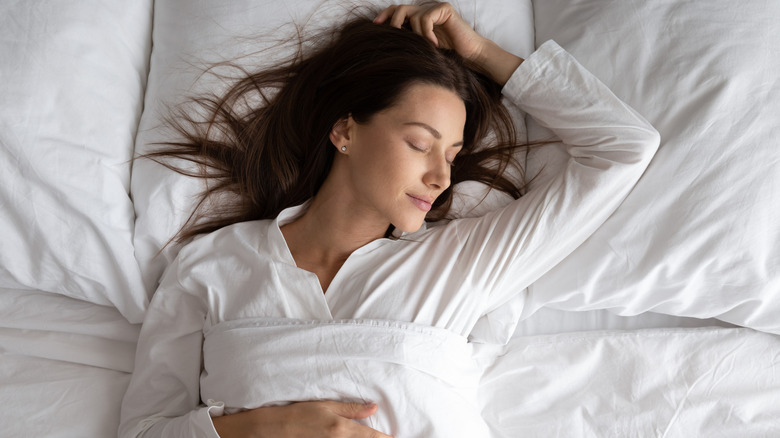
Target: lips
(424,203)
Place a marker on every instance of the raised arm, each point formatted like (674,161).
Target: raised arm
(609,144)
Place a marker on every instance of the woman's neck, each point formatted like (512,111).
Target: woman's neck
(333,226)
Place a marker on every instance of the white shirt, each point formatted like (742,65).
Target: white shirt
(452,277)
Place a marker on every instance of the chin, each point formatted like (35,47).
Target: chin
(409,226)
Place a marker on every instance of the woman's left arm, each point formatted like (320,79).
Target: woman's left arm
(442,25)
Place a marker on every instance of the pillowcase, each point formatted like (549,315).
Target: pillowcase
(189,35)
(698,236)
(73,79)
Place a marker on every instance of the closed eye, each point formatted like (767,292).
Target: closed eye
(417,148)
(452,161)
(424,150)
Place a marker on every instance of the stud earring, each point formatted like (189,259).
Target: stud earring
(343,149)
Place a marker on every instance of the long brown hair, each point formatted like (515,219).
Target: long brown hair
(276,153)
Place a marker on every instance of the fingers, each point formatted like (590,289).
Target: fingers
(356,411)
(401,14)
(426,30)
(384,15)
(322,419)
(367,432)
(353,411)
(422,20)
(396,13)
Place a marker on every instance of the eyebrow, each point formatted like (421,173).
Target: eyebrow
(433,131)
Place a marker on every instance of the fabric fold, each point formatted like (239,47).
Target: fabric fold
(385,362)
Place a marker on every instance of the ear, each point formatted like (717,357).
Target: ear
(340,133)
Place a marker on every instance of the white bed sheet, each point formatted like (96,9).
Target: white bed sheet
(705,382)
(64,365)
(53,399)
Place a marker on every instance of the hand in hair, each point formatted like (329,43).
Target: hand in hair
(441,24)
(326,419)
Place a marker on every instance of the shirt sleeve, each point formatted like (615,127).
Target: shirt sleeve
(609,146)
(163,398)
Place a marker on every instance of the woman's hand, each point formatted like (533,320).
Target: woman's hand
(441,24)
(327,419)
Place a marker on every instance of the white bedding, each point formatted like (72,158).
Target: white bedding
(64,365)
(712,382)
(698,237)
(651,382)
(73,75)
(350,360)
(705,382)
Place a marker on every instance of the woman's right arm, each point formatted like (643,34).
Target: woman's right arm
(325,419)
(163,398)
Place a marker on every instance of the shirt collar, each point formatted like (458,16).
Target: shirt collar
(277,246)
(290,214)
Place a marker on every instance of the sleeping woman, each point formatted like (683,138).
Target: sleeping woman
(314,301)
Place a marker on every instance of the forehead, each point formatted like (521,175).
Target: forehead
(432,105)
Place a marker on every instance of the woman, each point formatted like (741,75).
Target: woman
(322,305)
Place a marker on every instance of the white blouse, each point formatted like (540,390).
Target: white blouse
(449,276)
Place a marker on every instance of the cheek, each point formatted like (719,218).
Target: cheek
(381,158)
(384,165)
(387,174)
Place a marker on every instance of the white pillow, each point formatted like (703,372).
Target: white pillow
(190,34)
(699,234)
(73,75)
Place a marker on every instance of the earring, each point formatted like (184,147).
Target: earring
(343,149)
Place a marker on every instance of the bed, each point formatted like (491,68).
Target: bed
(665,322)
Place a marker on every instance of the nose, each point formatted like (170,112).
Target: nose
(437,175)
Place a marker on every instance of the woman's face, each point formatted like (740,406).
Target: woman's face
(399,162)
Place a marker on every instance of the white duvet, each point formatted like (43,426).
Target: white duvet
(422,378)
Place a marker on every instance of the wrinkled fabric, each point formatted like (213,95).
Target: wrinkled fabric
(353,360)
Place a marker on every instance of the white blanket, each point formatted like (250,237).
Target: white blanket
(423,378)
